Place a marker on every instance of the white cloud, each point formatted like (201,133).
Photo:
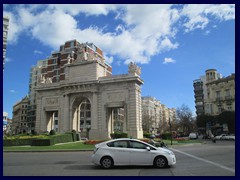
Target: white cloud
(144,30)
(13,91)
(168,60)
(109,60)
(37,52)
(7,60)
(87,9)
(197,15)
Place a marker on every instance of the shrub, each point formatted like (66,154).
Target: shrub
(74,135)
(147,135)
(42,142)
(52,132)
(166,136)
(17,142)
(118,135)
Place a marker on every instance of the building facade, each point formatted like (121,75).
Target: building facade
(77,91)
(214,93)
(200,89)
(5,123)
(35,73)
(156,116)
(220,95)
(5,33)
(19,118)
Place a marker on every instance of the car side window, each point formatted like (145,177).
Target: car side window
(137,145)
(121,144)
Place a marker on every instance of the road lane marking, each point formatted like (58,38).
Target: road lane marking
(204,160)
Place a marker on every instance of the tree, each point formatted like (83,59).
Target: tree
(202,120)
(227,117)
(185,120)
(147,122)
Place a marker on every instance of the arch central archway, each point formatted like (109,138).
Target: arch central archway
(81,114)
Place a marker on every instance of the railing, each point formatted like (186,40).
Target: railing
(228,97)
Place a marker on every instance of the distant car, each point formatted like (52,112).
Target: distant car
(221,136)
(229,137)
(126,151)
(193,136)
(152,136)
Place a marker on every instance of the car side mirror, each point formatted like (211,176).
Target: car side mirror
(148,148)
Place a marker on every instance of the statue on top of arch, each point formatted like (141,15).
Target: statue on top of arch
(134,69)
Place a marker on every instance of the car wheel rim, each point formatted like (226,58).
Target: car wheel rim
(106,163)
(160,162)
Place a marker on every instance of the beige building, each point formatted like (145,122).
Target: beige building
(220,95)
(77,91)
(19,118)
(156,115)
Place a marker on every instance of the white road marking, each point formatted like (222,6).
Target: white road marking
(204,160)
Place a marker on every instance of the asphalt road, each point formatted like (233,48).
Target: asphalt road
(209,159)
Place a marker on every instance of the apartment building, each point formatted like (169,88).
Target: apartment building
(5,33)
(5,123)
(54,70)
(35,73)
(220,95)
(19,118)
(214,93)
(157,115)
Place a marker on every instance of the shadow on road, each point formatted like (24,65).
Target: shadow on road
(95,167)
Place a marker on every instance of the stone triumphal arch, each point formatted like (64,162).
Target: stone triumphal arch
(91,101)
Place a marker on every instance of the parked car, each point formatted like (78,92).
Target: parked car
(229,137)
(221,136)
(232,137)
(126,151)
(193,136)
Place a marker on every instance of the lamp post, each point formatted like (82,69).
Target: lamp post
(88,127)
(170,125)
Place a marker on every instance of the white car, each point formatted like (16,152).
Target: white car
(126,151)
(193,136)
(225,137)
(229,137)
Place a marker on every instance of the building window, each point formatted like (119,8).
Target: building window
(229,107)
(220,108)
(85,114)
(218,95)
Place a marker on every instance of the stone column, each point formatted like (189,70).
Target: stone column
(134,118)
(65,121)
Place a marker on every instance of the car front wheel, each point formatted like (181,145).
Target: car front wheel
(107,162)
(160,162)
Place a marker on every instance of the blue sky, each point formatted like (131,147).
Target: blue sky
(173,44)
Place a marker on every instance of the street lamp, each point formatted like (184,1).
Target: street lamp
(170,125)
(88,127)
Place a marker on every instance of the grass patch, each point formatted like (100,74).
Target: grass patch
(68,146)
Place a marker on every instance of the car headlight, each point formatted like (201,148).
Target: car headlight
(169,152)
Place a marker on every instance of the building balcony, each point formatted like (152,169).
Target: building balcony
(219,99)
(229,97)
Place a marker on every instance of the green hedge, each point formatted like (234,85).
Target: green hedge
(166,136)
(147,135)
(54,139)
(118,135)
(17,142)
(51,140)
(42,142)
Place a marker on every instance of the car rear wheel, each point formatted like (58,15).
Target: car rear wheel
(160,162)
(107,162)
